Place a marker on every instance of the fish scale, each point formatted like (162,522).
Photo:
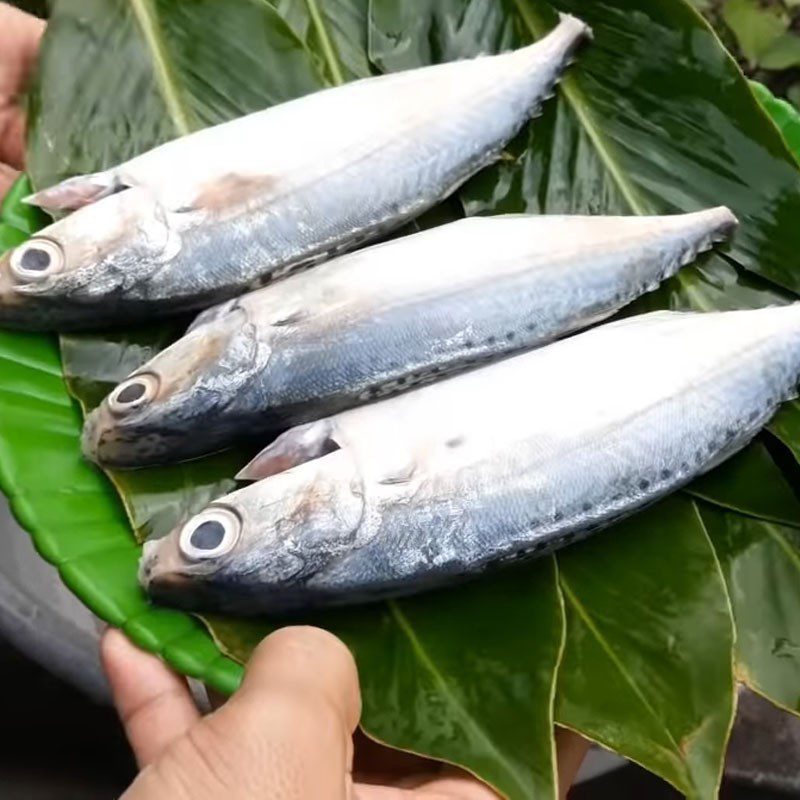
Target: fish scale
(385,319)
(512,460)
(221,211)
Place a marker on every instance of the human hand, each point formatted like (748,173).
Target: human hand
(287,734)
(20,34)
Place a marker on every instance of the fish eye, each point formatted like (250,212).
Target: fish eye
(36,260)
(210,534)
(133,393)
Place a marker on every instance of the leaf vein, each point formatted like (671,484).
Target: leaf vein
(627,677)
(328,50)
(146,17)
(577,102)
(455,703)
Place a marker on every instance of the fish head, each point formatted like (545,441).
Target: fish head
(258,548)
(69,274)
(181,404)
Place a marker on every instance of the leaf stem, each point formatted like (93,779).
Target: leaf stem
(328,50)
(147,18)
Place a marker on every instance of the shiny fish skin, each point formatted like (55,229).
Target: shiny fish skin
(223,210)
(515,459)
(380,320)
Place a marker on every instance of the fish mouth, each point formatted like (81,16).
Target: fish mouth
(16,310)
(161,572)
(108,444)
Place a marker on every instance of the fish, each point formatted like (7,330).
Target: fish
(484,469)
(385,319)
(206,217)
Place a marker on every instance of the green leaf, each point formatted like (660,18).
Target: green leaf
(756,27)
(470,671)
(119,77)
(761,563)
(634,129)
(336,30)
(69,508)
(793,93)
(647,609)
(786,426)
(783,53)
(631,133)
(783,114)
(751,484)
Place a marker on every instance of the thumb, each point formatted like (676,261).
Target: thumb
(286,734)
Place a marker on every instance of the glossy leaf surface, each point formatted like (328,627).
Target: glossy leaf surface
(634,129)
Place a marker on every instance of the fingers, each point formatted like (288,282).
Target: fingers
(20,34)
(287,733)
(154,704)
(312,662)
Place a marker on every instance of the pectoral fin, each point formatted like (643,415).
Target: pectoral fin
(296,446)
(76,192)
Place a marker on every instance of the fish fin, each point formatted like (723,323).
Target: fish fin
(292,448)
(399,476)
(292,318)
(76,192)
(214,313)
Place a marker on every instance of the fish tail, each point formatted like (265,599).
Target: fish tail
(544,61)
(563,42)
(697,232)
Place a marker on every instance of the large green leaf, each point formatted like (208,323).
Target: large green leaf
(637,128)
(69,508)
(650,637)
(751,484)
(761,563)
(466,676)
(120,76)
(335,32)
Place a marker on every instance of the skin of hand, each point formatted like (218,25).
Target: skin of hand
(20,34)
(289,733)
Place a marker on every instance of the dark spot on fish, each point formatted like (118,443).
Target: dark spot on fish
(455,442)
(558,516)
(469,343)
(666,474)
(587,507)
(531,326)
(752,416)
(644,484)
(491,340)
(729,434)
(510,336)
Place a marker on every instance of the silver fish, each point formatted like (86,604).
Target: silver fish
(512,460)
(383,319)
(216,213)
